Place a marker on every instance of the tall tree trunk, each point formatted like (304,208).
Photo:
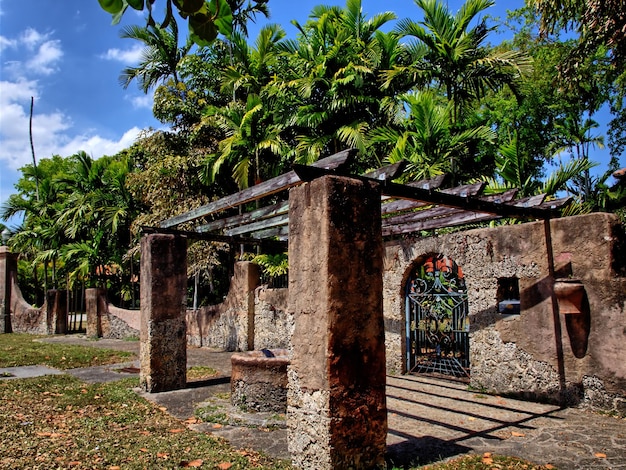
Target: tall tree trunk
(32,145)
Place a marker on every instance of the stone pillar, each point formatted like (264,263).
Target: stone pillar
(8,269)
(56,313)
(95,305)
(249,279)
(336,414)
(163,334)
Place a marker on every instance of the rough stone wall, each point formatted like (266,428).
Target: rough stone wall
(49,319)
(538,354)
(104,320)
(8,271)
(229,325)
(24,317)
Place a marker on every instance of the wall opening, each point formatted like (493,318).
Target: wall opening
(437,322)
(508,297)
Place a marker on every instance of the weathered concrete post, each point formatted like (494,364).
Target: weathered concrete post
(336,413)
(95,305)
(8,269)
(56,313)
(163,334)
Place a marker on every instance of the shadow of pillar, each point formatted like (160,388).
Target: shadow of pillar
(578,328)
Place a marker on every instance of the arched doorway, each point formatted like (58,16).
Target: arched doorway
(437,323)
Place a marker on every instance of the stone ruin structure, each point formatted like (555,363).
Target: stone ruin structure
(347,317)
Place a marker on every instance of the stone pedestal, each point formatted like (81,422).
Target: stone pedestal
(8,269)
(163,347)
(336,405)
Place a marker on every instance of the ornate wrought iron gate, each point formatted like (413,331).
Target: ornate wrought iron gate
(437,323)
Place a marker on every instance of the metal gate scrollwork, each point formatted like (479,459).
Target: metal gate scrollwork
(437,322)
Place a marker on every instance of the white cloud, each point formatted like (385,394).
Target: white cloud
(45,60)
(39,55)
(141,102)
(127,56)
(7,43)
(51,131)
(97,146)
(31,38)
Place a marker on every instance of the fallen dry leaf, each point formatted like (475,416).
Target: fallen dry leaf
(487,455)
(517,434)
(217,426)
(162,408)
(143,449)
(224,465)
(48,434)
(192,463)
(600,455)
(548,466)
(115,467)
(177,430)
(163,455)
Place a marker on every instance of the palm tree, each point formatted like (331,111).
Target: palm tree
(448,53)
(159,58)
(249,134)
(426,139)
(97,214)
(514,171)
(252,67)
(252,143)
(577,139)
(332,84)
(242,14)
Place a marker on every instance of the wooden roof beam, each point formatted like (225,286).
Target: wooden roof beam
(307,173)
(266,188)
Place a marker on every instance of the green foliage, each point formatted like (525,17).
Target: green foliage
(206,19)
(432,92)
(272,266)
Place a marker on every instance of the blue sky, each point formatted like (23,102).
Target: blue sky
(68,57)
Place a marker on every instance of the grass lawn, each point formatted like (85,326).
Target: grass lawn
(25,350)
(60,422)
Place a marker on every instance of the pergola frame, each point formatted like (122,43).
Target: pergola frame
(405,208)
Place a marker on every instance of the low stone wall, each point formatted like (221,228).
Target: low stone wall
(251,316)
(538,354)
(49,319)
(229,325)
(105,320)
(24,317)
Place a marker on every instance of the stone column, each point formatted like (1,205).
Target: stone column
(95,305)
(56,313)
(337,414)
(248,277)
(8,269)
(163,333)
